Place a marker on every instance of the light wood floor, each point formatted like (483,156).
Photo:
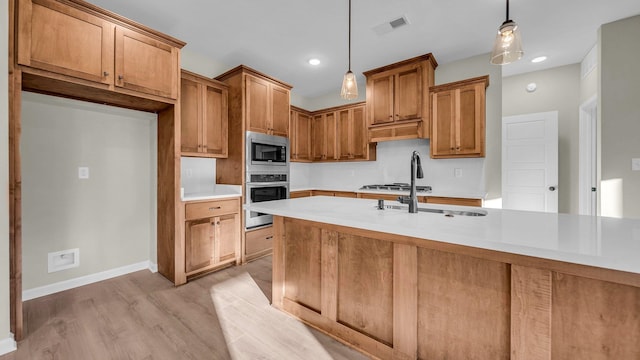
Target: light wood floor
(225,315)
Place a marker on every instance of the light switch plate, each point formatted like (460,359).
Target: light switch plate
(83,172)
(457,172)
(635,164)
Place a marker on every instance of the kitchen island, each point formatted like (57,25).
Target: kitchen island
(508,285)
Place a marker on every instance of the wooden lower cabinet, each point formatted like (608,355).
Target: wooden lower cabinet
(299,194)
(212,235)
(258,243)
(396,297)
(451,201)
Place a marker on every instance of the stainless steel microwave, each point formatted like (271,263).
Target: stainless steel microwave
(266,151)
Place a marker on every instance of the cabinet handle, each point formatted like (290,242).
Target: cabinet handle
(458,148)
(390,116)
(106,73)
(269,237)
(218,223)
(215,207)
(120,77)
(452,149)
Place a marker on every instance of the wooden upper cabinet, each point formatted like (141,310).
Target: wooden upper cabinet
(65,40)
(280,106)
(398,99)
(203,116)
(323,135)
(352,134)
(82,41)
(458,113)
(300,135)
(146,65)
(267,106)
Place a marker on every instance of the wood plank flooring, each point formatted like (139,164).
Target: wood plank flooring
(224,315)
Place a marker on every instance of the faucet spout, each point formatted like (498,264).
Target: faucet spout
(416,172)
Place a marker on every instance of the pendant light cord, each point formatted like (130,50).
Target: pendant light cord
(350,35)
(507,19)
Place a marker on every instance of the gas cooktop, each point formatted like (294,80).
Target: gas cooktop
(396,187)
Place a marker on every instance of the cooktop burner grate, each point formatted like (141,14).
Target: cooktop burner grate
(396,187)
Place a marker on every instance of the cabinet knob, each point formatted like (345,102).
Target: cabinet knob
(458,148)
(106,73)
(390,116)
(452,149)
(218,223)
(120,77)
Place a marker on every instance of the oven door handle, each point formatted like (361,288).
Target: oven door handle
(268,184)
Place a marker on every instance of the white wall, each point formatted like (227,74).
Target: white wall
(620,123)
(110,217)
(198,175)
(6,343)
(557,89)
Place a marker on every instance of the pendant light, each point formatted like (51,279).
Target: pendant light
(508,45)
(349,85)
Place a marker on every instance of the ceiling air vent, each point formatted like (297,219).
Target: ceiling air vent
(389,26)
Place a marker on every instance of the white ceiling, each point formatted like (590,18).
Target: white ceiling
(278,37)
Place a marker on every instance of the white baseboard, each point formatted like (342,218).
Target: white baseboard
(8,345)
(87,279)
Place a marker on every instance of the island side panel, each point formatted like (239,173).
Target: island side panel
(277,272)
(530,313)
(405,301)
(594,319)
(329,306)
(302,266)
(365,286)
(463,306)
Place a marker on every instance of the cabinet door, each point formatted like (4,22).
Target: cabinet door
(214,121)
(280,106)
(330,134)
(470,126)
(408,93)
(61,39)
(257,103)
(302,137)
(381,99)
(146,65)
(358,133)
(442,123)
(227,237)
(199,244)
(344,128)
(318,135)
(190,115)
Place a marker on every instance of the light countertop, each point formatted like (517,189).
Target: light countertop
(218,191)
(609,243)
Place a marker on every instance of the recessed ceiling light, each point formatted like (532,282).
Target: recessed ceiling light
(314,62)
(539,59)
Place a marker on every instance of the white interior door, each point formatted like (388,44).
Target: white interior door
(587,187)
(530,162)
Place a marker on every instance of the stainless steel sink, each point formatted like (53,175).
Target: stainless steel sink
(447,213)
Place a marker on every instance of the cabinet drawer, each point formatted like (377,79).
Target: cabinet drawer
(454,201)
(210,209)
(259,240)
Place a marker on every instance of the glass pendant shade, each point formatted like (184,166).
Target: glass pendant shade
(508,45)
(349,86)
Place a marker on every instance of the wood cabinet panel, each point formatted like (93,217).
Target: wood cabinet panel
(146,65)
(257,103)
(65,40)
(300,135)
(258,242)
(458,119)
(365,296)
(302,265)
(352,134)
(280,104)
(299,194)
(198,210)
(190,116)
(452,201)
(457,293)
(203,116)
(324,136)
(227,232)
(398,94)
(199,244)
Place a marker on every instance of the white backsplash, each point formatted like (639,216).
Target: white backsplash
(393,164)
(198,175)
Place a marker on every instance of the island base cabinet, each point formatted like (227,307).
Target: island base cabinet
(395,297)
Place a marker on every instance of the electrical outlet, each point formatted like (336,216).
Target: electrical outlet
(457,172)
(83,172)
(635,164)
(189,173)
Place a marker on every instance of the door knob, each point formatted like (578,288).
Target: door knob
(552,188)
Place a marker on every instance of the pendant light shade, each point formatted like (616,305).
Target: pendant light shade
(508,45)
(349,85)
